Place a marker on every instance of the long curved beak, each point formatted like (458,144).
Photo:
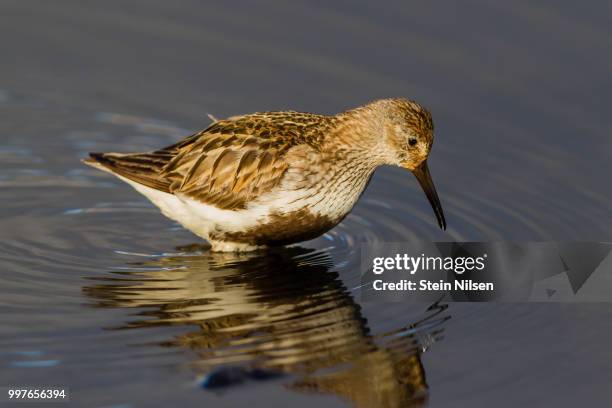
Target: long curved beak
(424,177)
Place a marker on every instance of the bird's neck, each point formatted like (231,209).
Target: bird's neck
(358,136)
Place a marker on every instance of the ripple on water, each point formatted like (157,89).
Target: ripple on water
(282,312)
(288,311)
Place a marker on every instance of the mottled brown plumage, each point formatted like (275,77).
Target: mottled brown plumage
(294,163)
(227,164)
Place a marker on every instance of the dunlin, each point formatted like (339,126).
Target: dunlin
(276,178)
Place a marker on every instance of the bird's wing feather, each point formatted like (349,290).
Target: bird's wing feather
(227,177)
(226,165)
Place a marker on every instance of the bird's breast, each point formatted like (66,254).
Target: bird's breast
(310,201)
(298,215)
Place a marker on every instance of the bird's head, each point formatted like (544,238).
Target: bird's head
(407,138)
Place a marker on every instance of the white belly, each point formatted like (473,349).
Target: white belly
(197,217)
(201,219)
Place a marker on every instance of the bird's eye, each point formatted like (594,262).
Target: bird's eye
(412,141)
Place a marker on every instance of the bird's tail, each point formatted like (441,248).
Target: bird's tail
(143,168)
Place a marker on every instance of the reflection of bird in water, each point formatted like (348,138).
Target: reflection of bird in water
(276,178)
(280,312)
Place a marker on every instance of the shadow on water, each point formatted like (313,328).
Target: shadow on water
(283,315)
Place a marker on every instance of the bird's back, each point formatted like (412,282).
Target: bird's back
(228,164)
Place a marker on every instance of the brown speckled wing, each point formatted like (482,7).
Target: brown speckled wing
(227,177)
(228,164)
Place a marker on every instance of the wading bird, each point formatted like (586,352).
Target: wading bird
(276,178)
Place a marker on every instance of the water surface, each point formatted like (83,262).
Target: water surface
(100,293)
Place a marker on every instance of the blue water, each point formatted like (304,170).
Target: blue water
(101,294)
